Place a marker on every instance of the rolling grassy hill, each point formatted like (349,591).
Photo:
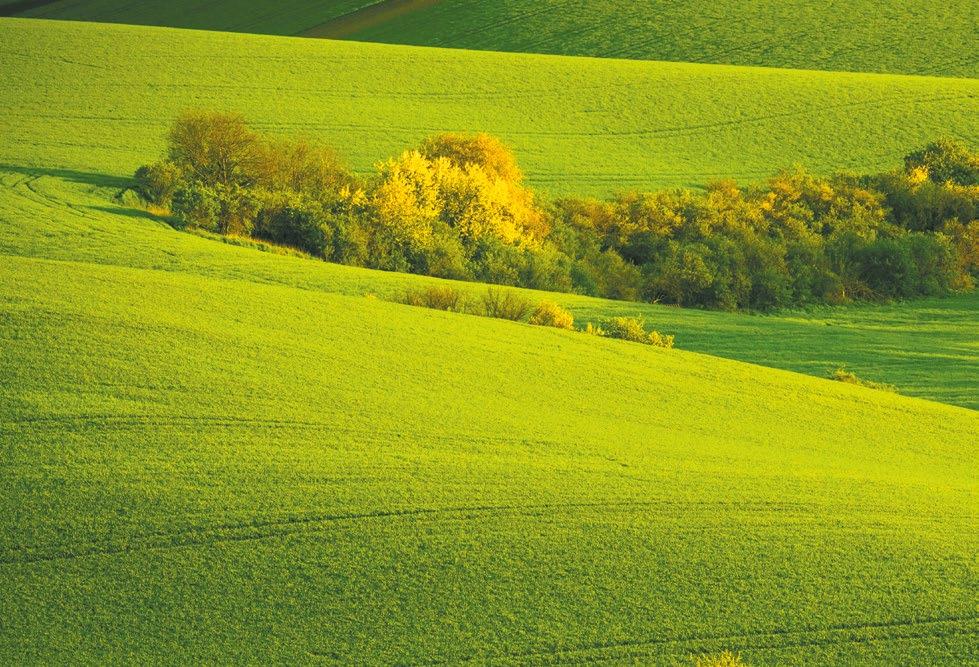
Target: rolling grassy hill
(284,17)
(99,98)
(926,348)
(212,454)
(898,36)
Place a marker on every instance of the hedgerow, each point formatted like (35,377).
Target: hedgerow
(456,207)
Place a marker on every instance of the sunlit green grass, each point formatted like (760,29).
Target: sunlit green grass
(100,98)
(212,454)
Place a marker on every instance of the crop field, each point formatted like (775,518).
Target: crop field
(897,36)
(927,349)
(215,451)
(283,17)
(272,469)
(99,98)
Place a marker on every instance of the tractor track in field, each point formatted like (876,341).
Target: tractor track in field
(599,652)
(656,133)
(255,531)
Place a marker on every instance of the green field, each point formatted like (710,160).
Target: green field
(284,17)
(99,98)
(215,454)
(898,36)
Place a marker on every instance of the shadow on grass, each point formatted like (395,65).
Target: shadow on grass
(132,213)
(84,177)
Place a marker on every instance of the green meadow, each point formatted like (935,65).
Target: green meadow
(99,98)
(216,451)
(214,454)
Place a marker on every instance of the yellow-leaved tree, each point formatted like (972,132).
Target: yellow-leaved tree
(469,186)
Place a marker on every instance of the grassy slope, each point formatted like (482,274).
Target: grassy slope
(199,465)
(899,36)
(99,98)
(929,349)
(283,17)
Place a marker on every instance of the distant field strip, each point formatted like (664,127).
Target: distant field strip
(894,36)
(282,17)
(366,18)
(582,126)
(899,36)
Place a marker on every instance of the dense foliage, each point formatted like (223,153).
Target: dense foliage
(457,207)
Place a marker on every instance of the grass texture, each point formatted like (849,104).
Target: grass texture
(898,36)
(99,98)
(212,454)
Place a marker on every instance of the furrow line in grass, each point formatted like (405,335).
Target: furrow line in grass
(252,531)
(638,648)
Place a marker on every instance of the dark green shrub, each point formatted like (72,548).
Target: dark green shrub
(297,222)
(887,268)
(936,263)
(197,205)
(157,183)
(506,305)
(438,297)
(946,160)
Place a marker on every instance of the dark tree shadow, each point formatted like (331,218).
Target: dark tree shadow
(84,177)
(132,213)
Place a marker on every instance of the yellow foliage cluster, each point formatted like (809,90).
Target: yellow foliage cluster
(474,194)
(549,314)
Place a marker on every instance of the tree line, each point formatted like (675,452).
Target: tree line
(457,207)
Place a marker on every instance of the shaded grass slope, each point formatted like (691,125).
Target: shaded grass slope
(283,17)
(899,36)
(99,98)
(202,466)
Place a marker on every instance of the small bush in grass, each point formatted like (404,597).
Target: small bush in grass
(842,374)
(593,330)
(549,314)
(723,659)
(634,329)
(438,297)
(506,305)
